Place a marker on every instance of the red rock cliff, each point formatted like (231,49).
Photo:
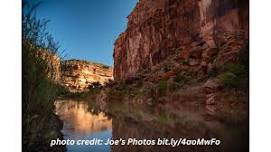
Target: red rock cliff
(213,30)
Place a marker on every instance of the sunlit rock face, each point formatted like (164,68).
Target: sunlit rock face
(160,28)
(78,75)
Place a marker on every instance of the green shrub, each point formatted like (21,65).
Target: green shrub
(162,88)
(236,69)
(185,62)
(234,75)
(39,91)
(165,68)
(229,79)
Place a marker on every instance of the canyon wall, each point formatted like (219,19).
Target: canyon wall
(75,75)
(78,75)
(202,33)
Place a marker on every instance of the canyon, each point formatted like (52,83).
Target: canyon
(204,34)
(180,70)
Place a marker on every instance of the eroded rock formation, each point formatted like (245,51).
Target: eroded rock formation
(78,75)
(203,34)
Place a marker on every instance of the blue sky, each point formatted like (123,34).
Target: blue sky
(87,29)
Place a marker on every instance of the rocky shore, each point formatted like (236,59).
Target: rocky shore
(40,132)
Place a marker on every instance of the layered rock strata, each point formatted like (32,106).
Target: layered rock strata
(78,75)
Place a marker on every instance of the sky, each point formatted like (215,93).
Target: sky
(86,29)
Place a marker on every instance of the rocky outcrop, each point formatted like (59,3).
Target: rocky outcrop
(202,33)
(78,75)
(211,88)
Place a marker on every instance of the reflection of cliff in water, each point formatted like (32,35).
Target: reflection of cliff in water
(84,120)
(80,118)
(232,139)
(140,131)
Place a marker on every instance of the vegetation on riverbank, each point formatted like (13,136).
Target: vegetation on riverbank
(40,89)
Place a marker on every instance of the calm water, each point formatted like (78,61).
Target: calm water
(84,120)
(80,122)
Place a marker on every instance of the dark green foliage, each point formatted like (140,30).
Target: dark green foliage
(155,91)
(166,68)
(234,76)
(185,62)
(39,90)
(229,79)
(95,85)
(87,62)
(162,88)
(237,69)
(244,57)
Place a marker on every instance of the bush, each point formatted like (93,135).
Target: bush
(95,85)
(185,62)
(38,82)
(237,69)
(39,91)
(234,75)
(165,68)
(229,79)
(162,88)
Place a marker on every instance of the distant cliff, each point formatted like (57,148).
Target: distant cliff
(203,34)
(77,75)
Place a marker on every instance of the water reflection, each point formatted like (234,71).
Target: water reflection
(80,122)
(83,121)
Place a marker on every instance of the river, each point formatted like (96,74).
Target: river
(83,121)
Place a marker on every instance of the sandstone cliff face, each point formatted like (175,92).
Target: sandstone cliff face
(78,75)
(203,33)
